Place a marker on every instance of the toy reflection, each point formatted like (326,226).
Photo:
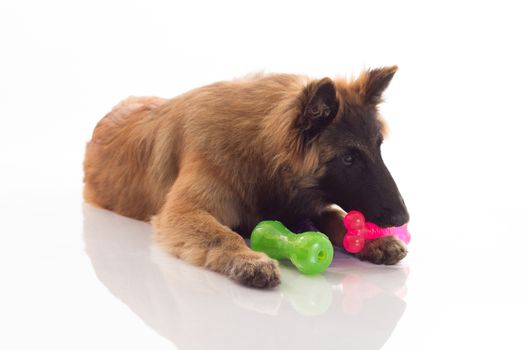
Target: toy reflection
(351,304)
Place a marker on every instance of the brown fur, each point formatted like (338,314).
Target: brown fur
(195,166)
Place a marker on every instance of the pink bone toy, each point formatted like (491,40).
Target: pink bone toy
(358,230)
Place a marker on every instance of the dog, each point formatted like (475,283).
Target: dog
(205,167)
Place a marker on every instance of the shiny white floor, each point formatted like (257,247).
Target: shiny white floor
(75,277)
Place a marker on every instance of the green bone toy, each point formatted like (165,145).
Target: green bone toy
(310,252)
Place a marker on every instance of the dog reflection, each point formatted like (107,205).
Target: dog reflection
(351,304)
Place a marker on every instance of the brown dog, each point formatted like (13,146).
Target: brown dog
(225,156)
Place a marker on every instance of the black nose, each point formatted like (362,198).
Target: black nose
(388,217)
(399,219)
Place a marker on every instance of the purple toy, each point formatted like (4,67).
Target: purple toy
(358,231)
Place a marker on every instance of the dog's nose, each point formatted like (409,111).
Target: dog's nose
(388,217)
(398,219)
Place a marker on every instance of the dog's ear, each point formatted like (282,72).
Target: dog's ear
(374,82)
(320,107)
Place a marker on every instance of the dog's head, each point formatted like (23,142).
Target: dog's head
(341,119)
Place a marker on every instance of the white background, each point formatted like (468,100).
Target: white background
(456,151)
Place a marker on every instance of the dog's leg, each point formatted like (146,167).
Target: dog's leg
(196,236)
(386,250)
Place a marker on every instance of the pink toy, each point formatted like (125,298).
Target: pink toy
(358,230)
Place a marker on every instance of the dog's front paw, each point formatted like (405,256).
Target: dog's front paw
(257,270)
(386,250)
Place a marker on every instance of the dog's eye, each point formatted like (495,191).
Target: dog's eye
(348,159)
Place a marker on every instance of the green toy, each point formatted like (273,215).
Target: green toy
(310,252)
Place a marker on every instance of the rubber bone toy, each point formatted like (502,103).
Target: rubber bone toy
(358,230)
(311,252)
